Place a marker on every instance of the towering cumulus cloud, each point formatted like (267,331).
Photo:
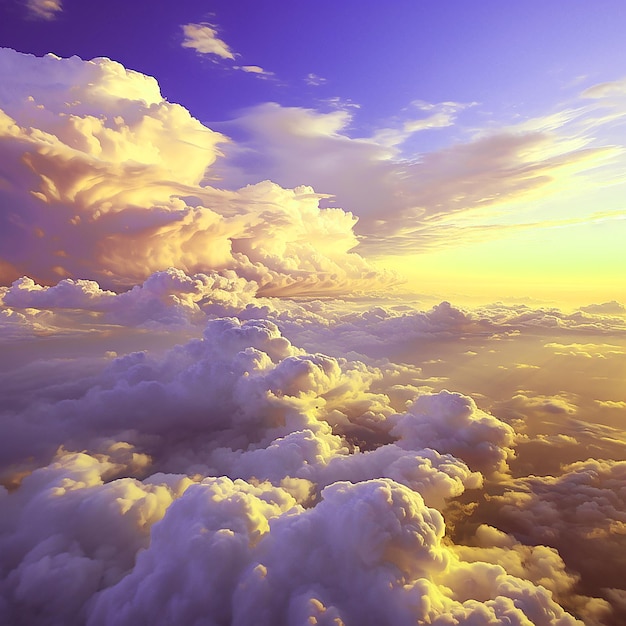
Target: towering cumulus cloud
(178,445)
(102,178)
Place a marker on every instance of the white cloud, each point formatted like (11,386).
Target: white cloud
(161,432)
(203,38)
(540,564)
(609,89)
(407,199)
(166,297)
(256,70)
(580,513)
(314,80)
(252,69)
(451,422)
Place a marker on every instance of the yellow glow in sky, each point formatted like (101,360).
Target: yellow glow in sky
(568,265)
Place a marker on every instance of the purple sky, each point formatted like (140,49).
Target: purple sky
(512,58)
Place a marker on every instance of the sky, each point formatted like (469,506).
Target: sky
(312,313)
(460,133)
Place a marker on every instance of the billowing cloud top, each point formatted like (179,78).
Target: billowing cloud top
(103,179)
(238,466)
(228,468)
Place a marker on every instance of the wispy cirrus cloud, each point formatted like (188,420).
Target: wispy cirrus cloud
(257,70)
(204,40)
(44,9)
(606,90)
(314,80)
(414,202)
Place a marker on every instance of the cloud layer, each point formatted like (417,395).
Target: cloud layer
(243,402)
(178,445)
(238,466)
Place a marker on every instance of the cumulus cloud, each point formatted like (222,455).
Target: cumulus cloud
(79,294)
(220,463)
(580,513)
(56,566)
(108,186)
(452,423)
(291,414)
(242,401)
(540,564)
(219,549)
(167,297)
(203,39)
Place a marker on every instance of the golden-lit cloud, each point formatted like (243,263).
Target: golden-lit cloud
(587,351)
(44,9)
(606,90)
(239,428)
(579,513)
(530,403)
(456,193)
(203,38)
(113,181)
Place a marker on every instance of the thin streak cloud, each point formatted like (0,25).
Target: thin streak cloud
(44,9)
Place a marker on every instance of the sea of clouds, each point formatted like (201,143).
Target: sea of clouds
(193,432)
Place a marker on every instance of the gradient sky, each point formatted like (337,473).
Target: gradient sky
(515,112)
